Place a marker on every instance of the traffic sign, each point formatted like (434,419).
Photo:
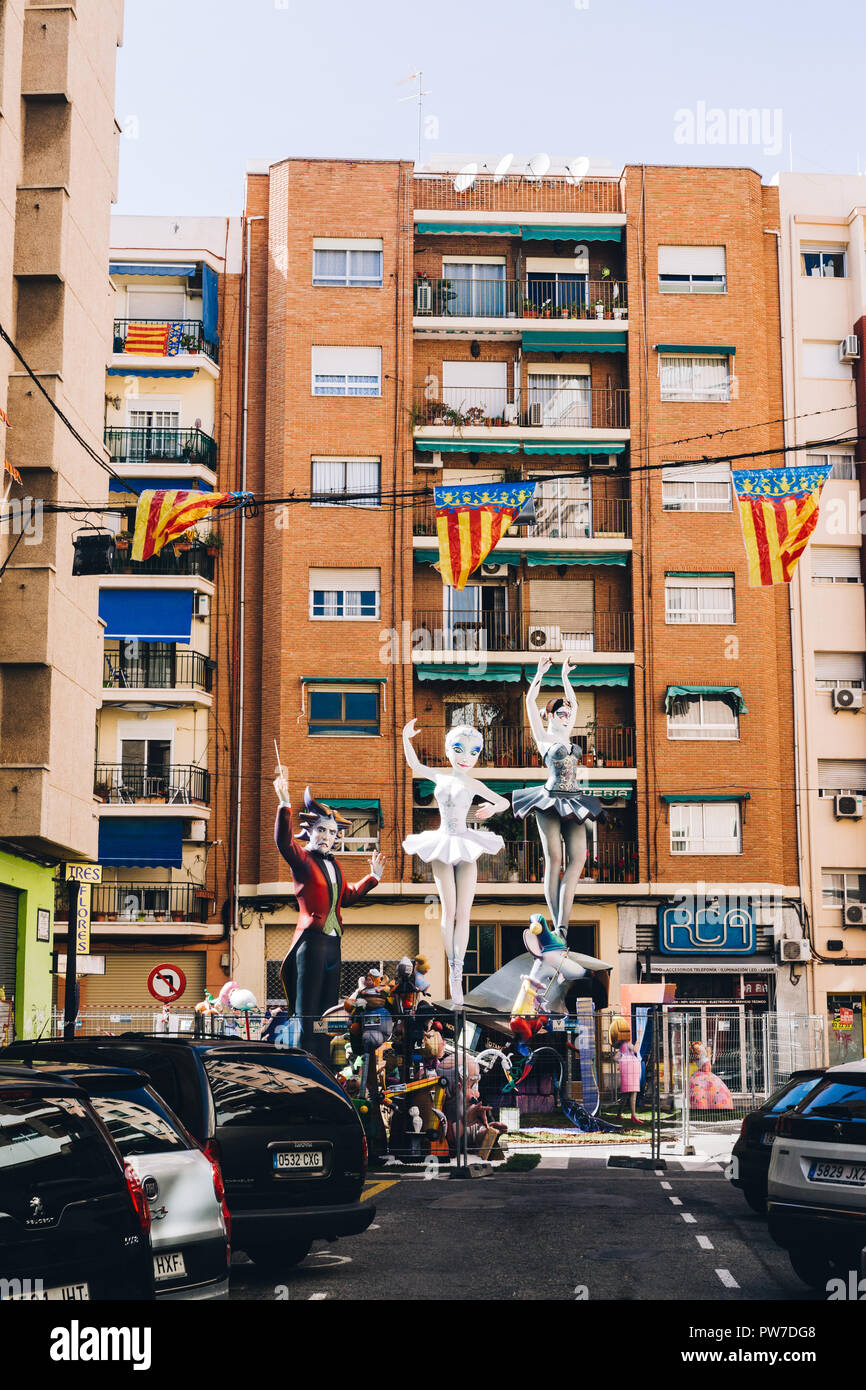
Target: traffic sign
(84,873)
(166,983)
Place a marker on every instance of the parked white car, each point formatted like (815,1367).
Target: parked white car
(817,1179)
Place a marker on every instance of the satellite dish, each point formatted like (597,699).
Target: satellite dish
(466,178)
(577,169)
(502,167)
(538,165)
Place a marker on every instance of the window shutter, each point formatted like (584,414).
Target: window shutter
(836,562)
(840,666)
(354,361)
(691,260)
(849,773)
(342,579)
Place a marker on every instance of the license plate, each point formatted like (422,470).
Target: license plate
(853,1174)
(66,1293)
(168,1266)
(296,1160)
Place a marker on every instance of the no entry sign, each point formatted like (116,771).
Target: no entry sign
(166,983)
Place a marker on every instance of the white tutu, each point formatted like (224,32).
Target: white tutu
(453,849)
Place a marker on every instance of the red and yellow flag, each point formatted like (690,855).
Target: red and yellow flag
(470,520)
(147,339)
(778,513)
(161,517)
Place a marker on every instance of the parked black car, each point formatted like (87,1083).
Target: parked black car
(74,1222)
(750,1157)
(290,1144)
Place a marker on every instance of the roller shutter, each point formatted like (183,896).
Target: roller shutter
(125,978)
(8,939)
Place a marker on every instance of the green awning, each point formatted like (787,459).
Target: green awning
(534,558)
(696,349)
(467,229)
(670,797)
(572,342)
(539,232)
(506,672)
(496,557)
(460,446)
(342,803)
(345,680)
(605,791)
(585,675)
(573,448)
(732,693)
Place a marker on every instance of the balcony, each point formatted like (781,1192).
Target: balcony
(137,784)
(573,409)
(512,745)
(183,338)
(142,903)
(158,669)
(195,560)
(559,517)
(561,301)
(532,632)
(517,193)
(128,447)
(522,862)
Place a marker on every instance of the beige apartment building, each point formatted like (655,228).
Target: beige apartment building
(823,293)
(58,166)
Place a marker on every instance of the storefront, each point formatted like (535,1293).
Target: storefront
(846,1014)
(26,913)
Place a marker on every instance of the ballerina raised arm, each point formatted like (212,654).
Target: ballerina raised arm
(570,700)
(411,731)
(532,712)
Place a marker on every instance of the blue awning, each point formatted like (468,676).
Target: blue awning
(151,615)
(150,371)
(585,675)
(136,484)
(145,843)
(574,448)
(534,558)
(457,446)
(209,304)
(572,342)
(697,349)
(466,229)
(572,233)
(150,268)
(465,671)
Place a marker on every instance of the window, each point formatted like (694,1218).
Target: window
(478,390)
(361,835)
(474,288)
(706,488)
(692,270)
(338,710)
(844,467)
(343,479)
(280,1092)
(702,717)
(347,371)
(156,435)
(560,398)
(563,507)
(699,598)
(706,827)
(355,263)
(842,886)
(822,360)
(135,1127)
(836,564)
(168,303)
(841,777)
(834,670)
(825,265)
(344,593)
(838,1099)
(694,378)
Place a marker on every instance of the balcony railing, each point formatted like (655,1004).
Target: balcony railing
(194,561)
(517,193)
(534,631)
(129,784)
(575,299)
(540,405)
(183,336)
(558,517)
(127,446)
(142,902)
(172,670)
(512,745)
(522,861)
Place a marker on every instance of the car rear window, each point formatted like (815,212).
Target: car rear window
(259,1092)
(51,1153)
(838,1100)
(135,1127)
(790,1095)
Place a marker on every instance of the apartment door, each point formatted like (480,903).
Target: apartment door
(563,508)
(561,399)
(145,767)
(144,664)
(561,617)
(476,618)
(489,715)
(8,939)
(475,289)
(478,390)
(155,434)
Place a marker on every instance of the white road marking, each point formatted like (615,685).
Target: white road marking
(704,1242)
(374,1227)
(666,1186)
(676,1201)
(316,1297)
(687,1216)
(727,1278)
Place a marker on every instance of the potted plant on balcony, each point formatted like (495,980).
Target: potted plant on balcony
(183,542)
(189,342)
(122,540)
(598,306)
(176,915)
(529,310)
(213,542)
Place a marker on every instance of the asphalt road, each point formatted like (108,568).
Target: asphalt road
(573,1228)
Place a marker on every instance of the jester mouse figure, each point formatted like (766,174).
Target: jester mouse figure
(310,972)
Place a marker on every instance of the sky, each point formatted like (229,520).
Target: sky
(203,86)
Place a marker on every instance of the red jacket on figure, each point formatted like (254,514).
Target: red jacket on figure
(310,883)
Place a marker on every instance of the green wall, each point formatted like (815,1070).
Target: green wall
(33,970)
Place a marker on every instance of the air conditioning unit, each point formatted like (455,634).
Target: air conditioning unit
(849,348)
(493,571)
(197,830)
(845,697)
(855,915)
(536,416)
(423,298)
(848,807)
(794,951)
(544,639)
(602,461)
(201,605)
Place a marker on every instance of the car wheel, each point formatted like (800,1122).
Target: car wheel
(756,1198)
(276,1259)
(814,1269)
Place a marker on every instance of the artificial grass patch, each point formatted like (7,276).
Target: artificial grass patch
(522,1163)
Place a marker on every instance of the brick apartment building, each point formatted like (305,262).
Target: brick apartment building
(410,328)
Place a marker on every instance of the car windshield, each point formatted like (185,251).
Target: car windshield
(267,1092)
(135,1127)
(838,1100)
(51,1152)
(790,1095)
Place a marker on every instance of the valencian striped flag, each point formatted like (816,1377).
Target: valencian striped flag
(147,339)
(778,513)
(470,520)
(161,517)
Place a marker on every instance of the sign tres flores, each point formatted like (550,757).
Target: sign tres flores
(84,875)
